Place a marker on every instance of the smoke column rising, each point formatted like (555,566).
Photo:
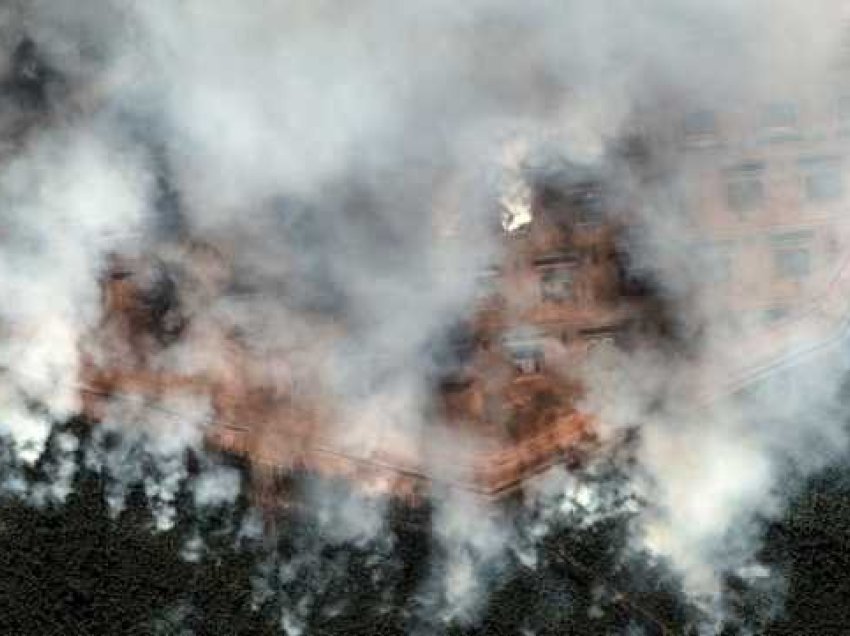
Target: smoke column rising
(318,138)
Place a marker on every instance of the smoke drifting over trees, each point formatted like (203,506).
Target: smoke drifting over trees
(317,142)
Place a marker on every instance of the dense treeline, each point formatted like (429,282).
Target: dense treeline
(78,567)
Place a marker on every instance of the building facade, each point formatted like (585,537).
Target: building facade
(761,235)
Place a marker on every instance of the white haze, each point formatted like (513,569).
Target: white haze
(365,113)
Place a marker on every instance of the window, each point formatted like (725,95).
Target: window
(557,275)
(527,358)
(792,262)
(780,121)
(588,201)
(450,355)
(487,288)
(525,350)
(700,122)
(744,189)
(822,178)
(791,255)
(714,262)
(775,314)
(744,194)
(558,258)
(606,336)
(556,285)
(634,279)
(700,128)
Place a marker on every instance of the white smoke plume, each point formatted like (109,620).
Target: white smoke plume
(68,199)
(315,139)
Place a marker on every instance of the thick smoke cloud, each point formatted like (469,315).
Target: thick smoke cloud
(325,146)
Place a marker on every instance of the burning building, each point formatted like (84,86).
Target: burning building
(760,225)
(764,207)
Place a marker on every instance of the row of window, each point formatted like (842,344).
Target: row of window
(792,258)
(778,121)
(528,356)
(822,180)
(792,262)
(557,273)
(557,285)
(557,277)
